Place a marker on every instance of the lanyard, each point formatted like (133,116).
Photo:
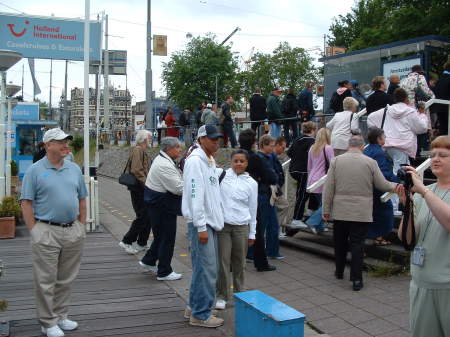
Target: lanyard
(430,216)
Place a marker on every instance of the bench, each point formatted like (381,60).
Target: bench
(259,315)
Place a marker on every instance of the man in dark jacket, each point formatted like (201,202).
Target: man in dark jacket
(257,110)
(305,102)
(394,83)
(265,177)
(379,99)
(298,170)
(337,99)
(442,91)
(290,109)
(228,121)
(274,113)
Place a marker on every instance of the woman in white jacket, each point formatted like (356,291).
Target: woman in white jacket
(239,202)
(342,124)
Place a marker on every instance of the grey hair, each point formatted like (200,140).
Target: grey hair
(350,103)
(356,141)
(142,136)
(169,142)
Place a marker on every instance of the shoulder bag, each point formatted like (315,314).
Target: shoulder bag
(128,179)
(419,94)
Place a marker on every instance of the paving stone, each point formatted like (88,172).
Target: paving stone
(322,299)
(316,313)
(401,319)
(356,316)
(396,333)
(338,307)
(331,325)
(377,327)
(353,332)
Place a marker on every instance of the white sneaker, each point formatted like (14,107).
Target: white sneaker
(308,212)
(171,277)
(147,267)
(140,248)
(398,213)
(188,312)
(313,230)
(128,248)
(54,331)
(221,304)
(325,229)
(298,224)
(282,235)
(67,324)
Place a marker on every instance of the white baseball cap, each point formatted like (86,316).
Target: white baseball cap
(55,134)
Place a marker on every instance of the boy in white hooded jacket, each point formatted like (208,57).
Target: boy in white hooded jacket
(201,206)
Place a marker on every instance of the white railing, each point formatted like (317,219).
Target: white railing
(385,197)
(93,214)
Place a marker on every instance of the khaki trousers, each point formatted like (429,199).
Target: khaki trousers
(429,311)
(282,206)
(232,242)
(56,256)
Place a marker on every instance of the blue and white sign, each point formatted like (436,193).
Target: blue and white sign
(48,37)
(25,112)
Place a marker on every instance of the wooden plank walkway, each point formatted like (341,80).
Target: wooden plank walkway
(110,297)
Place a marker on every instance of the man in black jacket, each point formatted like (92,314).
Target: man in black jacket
(228,121)
(442,91)
(257,110)
(379,99)
(265,177)
(394,83)
(290,109)
(298,169)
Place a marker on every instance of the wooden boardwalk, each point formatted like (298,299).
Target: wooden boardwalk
(110,297)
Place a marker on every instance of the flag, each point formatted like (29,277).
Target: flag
(36,89)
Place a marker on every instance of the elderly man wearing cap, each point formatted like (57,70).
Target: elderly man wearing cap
(201,206)
(54,208)
(274,113)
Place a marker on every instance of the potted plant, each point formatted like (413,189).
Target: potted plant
(9,211)
(14,175)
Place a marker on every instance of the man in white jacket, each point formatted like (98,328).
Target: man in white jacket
(201,206)
(162,196)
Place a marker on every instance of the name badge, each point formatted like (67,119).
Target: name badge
(418,256)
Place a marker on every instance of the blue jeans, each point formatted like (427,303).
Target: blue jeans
(262,220)
(202,292)
(275,130)
(272,233)
(315,220)
(228,129)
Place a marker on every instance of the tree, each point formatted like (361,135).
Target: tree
(374,22)
(287,67)
(190,75)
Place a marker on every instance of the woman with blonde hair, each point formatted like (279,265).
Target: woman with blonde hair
(319,158)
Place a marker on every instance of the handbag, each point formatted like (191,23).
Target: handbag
(126,178)
(419,94)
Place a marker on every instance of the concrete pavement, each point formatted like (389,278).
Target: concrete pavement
(302,280)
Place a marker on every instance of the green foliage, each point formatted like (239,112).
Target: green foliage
(77,143)
(190,75)
(14,169)
(375,22)
(287,67)
(10,207)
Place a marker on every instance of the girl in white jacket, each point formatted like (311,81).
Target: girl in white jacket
(239,194)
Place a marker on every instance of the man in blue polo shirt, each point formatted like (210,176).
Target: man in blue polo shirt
(54,208)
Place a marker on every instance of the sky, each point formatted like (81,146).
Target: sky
(263,25)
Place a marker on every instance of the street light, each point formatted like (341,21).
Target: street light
(11,90)
(8,58)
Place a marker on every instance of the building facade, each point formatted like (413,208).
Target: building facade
(121,116)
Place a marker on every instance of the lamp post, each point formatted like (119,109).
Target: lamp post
(11,90)
(8,58)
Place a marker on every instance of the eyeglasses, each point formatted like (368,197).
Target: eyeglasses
(438,154)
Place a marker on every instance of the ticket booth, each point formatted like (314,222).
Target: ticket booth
(28,130)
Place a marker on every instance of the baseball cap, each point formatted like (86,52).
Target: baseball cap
(209,131)
(55,134)
(209,105)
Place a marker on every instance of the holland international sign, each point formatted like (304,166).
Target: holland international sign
(48,37)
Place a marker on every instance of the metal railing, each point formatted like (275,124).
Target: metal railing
(420,169)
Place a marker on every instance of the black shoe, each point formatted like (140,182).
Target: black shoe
(339,275)
(357,285)
(267,268)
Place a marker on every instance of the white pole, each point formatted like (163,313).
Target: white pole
(86,103)
(106,81)
(8,150)
(2,134)
(97,115)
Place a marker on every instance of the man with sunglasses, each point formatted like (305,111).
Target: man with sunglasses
(54,208)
